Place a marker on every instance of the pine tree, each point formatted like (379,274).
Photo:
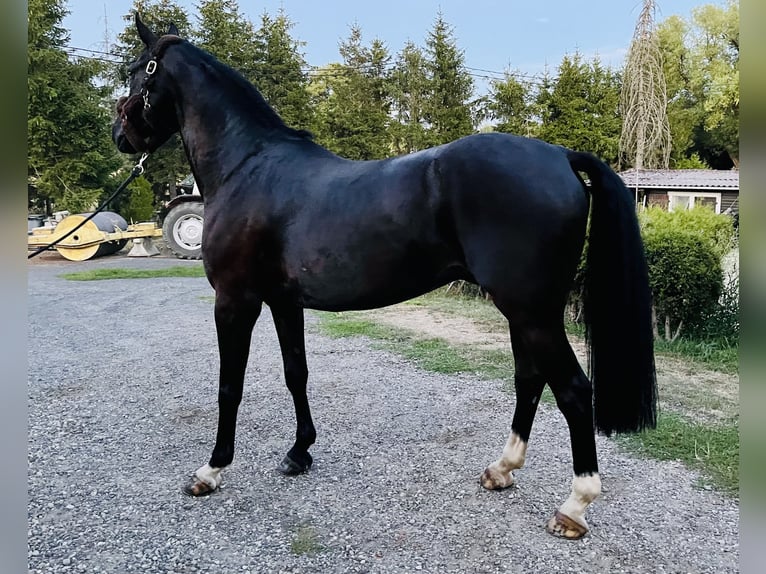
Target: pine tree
(281,73)
(579,108)
(229,36)
(353,117)
(70,153)
(409,89)
(509,104)
(448,106)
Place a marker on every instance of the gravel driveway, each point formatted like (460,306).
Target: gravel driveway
(122,408)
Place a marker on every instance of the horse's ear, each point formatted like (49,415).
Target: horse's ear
(173,30)
(147,36)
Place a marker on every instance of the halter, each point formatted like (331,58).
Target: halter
(151,66)
(128,105)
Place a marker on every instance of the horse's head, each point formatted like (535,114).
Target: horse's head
(146,117)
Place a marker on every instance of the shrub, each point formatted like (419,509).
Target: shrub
(685,249)
(721,323)
(140,204)
(701,221)
(685,277)
(79,200)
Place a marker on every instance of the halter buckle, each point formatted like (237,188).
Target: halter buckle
(151,67)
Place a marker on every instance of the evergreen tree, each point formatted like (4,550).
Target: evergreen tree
(353,117)
(409,90)
(70,153)
(448,106)
(229,36)
(510,105)
(281,75)
(580,108)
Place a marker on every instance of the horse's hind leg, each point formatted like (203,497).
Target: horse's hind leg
(543,354)
(529,387)
(234,321)
(289,324)
(574,397)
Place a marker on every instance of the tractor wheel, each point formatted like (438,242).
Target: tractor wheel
(182,230)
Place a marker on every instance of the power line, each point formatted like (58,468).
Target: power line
(317,71)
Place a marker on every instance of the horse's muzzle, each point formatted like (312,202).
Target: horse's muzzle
(129,128)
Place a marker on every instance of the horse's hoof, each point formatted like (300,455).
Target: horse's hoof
(494,480)
(196,487)
(564,527)
(290,467)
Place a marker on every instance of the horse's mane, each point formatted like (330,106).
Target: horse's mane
(246,93)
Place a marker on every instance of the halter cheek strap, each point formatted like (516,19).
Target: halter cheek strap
(158,51)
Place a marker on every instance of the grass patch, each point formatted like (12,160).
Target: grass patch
(349,324)
(104,274)
(714,450)
(720,356)
(305,541)
(433,355)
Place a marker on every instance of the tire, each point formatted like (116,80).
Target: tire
(182,230)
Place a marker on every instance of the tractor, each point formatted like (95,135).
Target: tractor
(182,220)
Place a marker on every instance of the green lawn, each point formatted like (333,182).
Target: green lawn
(117,273)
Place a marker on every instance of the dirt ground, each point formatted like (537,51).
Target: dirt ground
(684,387)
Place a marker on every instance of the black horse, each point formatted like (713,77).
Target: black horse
(314,230)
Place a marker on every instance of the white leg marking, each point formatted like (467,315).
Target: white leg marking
(209,475)
(514,454)
(585,489)
(499,473)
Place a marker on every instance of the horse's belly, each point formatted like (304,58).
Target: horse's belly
(371,284)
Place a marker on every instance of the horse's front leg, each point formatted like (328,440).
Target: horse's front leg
(235,318)
(289,324)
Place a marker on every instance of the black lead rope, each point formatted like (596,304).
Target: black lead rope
(137,170)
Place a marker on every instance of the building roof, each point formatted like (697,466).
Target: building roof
(680,179)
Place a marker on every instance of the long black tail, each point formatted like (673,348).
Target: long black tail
(617,305)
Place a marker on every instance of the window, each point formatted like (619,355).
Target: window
(689,199)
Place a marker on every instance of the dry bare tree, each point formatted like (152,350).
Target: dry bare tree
(645,138)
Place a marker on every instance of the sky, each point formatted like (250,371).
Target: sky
(495,35)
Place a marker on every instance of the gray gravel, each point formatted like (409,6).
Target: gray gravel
(122,408)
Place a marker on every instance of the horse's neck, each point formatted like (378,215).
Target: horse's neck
(218,129)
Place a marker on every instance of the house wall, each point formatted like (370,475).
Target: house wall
(659,198)
(656,198)
(729,199)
